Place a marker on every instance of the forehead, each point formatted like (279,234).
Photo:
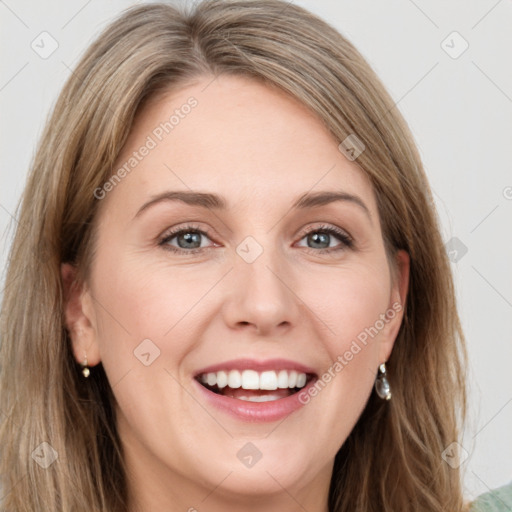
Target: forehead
(238,138)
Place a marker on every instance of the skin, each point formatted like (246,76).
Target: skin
(261,150)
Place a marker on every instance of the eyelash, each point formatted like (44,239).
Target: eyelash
(346,241)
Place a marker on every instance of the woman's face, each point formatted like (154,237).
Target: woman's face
(224,256)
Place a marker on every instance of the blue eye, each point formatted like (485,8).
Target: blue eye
(189,240)
(323,234)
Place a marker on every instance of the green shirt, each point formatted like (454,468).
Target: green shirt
(497,500)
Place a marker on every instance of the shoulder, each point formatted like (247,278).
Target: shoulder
(497,500)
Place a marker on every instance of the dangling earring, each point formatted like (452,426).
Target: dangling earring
(382,386)
(85,370)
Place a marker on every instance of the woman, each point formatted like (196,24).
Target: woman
(252,369)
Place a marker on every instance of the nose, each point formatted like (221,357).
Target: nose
(261,296)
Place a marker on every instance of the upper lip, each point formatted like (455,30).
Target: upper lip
(257,365)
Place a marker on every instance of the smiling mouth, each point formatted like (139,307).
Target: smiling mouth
(253,386)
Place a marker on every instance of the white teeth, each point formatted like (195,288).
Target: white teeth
(234,379)
(268,380)
(250,379)
(282,379)
(261,398)
(222,379)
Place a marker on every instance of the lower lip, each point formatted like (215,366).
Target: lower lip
(255,411)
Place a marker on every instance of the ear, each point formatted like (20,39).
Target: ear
(79,317)
(396,306)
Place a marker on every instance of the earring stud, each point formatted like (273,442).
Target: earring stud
(85,370)
(382,386)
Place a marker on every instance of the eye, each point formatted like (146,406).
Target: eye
(188,240)
(322,236)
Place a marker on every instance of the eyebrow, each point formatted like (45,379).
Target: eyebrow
(216,202)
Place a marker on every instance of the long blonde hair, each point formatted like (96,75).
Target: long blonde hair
(392,459)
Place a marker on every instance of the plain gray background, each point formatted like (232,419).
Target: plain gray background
(458,103)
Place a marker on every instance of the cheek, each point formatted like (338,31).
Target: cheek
(350,301)
(149,321)
(138,302)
